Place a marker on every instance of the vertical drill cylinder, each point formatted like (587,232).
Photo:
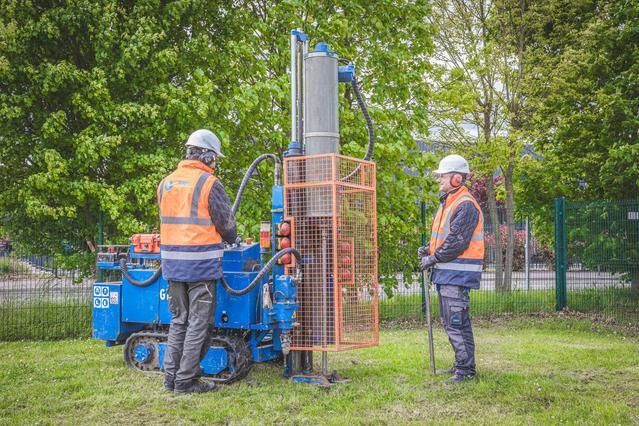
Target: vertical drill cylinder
(321,121)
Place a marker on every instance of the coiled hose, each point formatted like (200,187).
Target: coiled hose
(369,126)
(367,117)
(147,282)
(269,265)
(249,173)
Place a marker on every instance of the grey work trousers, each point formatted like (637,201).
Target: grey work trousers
(192,306)
(454,308)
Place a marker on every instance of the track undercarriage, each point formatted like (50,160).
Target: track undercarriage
(142,351)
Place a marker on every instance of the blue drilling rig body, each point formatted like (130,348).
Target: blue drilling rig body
(246,328)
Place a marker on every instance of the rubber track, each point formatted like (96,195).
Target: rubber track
(242,361)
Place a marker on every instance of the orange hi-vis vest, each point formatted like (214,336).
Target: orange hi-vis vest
(466,269)
(191,247)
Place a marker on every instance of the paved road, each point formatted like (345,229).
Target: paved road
(42,288)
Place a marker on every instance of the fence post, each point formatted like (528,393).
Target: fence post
(527,253)
(100,239)
(423,209)
(560,253)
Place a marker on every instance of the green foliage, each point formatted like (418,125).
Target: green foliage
(98,99)
(583,97)
(390,64)
(9,266)
(96,104)
(477,99)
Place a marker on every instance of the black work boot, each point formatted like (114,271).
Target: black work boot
(169,382)
(459,378)
(195,386)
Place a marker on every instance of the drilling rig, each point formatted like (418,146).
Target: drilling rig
(309,285)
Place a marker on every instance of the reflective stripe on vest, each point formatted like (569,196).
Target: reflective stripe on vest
(169,220)
(459,266)
(181,255)
(466,269)
(191,246)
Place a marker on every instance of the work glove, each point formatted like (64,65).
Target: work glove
(423,251)
(427,262)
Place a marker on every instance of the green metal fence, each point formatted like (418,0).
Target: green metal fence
(41,299)
(531,287)
(597,258)
(595,266)
(44,297)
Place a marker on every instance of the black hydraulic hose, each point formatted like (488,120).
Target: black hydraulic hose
(269,265)
(249,173)
(147,282)
(367,117)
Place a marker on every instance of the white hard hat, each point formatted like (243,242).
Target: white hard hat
(205,139)
(453,163)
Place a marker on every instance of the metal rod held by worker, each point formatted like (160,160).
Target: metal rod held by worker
(429,322)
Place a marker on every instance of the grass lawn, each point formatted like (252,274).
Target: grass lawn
(45,320)
(617,304)
(483,303)
(531,371)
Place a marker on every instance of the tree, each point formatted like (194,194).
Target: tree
(478,101)
(98,100)
(584,113)
(582,89)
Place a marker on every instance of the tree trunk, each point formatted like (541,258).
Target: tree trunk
(510,227)
(494,220)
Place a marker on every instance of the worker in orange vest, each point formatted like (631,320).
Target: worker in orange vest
(195,220)
(455,255)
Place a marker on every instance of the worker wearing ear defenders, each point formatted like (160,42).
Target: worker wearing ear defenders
(455,256)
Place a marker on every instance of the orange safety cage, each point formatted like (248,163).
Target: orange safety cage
(332,199)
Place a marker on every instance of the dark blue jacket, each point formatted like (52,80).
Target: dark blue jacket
(462,225)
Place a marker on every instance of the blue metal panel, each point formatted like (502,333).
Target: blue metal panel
(237,311)
(134,255)
(214,362)
(300,35)
(107,303)
(277,197)
(109,266)
(165,314)
(106,311)
(264,346)
(140,304)
(264,353)
(244,258)
(345,73)
(161,351)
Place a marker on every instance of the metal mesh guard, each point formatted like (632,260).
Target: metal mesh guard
(333,202)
